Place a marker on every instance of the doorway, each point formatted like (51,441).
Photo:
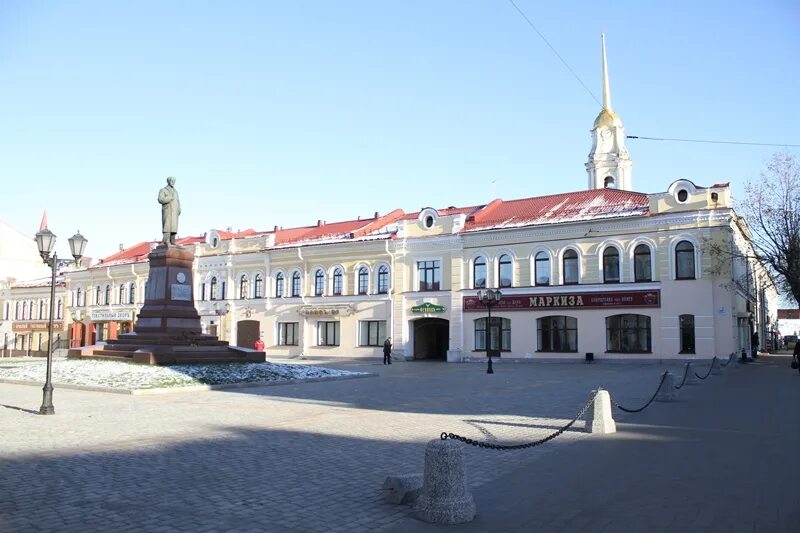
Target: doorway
(431,338)
(247,333)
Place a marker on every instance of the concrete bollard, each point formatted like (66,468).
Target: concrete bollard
(445,497)
(404,488)
(716,367)
(691,379)
(598,416)
(667,392)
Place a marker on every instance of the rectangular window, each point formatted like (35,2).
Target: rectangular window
(371,332)
(287,333)
(500,334)
(557,334)
(429,275)
(628,334)
(327,333)
(202,291)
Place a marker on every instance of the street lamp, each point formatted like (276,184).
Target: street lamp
(489,297)
(221,310)
(46,241)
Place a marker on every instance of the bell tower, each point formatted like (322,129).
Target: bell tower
(609,165)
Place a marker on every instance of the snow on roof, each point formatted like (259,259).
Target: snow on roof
(39,282)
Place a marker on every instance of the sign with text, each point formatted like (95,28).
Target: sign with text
(326,310)
(182,293)
(571,300)
(111,316)
(36,326)
(428,307)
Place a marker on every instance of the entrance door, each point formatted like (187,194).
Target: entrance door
(247,333)
(431,338)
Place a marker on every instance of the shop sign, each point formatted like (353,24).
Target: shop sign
(35,326)
(326,310)
(428,307)
(572,300)
(100,315)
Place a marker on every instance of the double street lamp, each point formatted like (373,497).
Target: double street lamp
(46,241)
(489,297)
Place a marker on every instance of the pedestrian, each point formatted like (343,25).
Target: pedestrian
(387,351)
(796,356)
(754,344)
(259,345)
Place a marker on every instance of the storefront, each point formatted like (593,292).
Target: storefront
(30,337)
(107,325)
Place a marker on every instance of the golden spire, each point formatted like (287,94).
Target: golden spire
(606,90)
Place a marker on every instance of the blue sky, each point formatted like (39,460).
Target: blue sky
(288,112)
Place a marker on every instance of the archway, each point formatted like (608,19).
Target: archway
(431,338)
(247,331)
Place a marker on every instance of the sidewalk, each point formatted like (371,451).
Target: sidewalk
(725,457)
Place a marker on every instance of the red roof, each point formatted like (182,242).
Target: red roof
(138,252)
(347,229)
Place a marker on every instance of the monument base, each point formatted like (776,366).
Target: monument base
(167,329)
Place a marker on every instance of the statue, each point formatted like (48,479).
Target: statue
(170,209)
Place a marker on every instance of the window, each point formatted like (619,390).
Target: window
(371,332)
(279,285)
(609,182)
(97,295)
(132,294)
(610,265)
(202,291)
(428,275)
(59,309)
(6,309)
(41,310)
(319,283)
(684,260)
(244,287)
(296,284)
(121,298)
(428,221)
(687,333)
(258,286)
(24,311)
(107,299)
(479,273)
(213,295)
(541,268)
(628,334)
(641,263)
(337,282)
(570,267)
(222,292)
(328,333)
(79,297)
(363,280)
(500,334)
(383,279)
(557,334)
(504,271)
(287,333)
(682,195)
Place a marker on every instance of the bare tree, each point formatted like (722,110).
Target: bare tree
(772,210)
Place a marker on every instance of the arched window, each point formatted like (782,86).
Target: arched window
(59,309)
(557,334)
(31,310)
(213,291)
(504,271)
(279,285)
(6,310)
(97,295)
(16,311)
(319,283)
(609,182)
(41,310)
(684,260)
(628,334)
(107,298)
(337,282)
(479,273)
(244,287)
(570,267)
(541,268)
(258,286)
(296,284)
(24,311)
(132,293)
(499,334)
(383,279)
(363,280)
(79,297)
(121,295)
(610,265)
(686,323)
(642,269)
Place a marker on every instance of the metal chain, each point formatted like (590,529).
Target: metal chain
(685,374)
(729,361)
(492,446)
(709,370)
(645,406)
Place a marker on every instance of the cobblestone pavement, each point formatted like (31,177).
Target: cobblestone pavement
(305,457)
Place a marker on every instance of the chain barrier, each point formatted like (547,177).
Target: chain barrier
(685,374)
(493,446)
(709,370)
(645,406)
(729,361)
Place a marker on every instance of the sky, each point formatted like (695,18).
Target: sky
(282,113)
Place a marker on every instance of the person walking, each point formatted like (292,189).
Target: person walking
(754,342)
(796,356)
(387,352)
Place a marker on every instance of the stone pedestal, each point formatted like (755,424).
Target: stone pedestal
(598,416)
(691,378)
(667,392)
(445,497)
(716,367)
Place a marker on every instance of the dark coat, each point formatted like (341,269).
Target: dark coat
(387,348)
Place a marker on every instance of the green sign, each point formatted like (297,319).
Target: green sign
(428,308)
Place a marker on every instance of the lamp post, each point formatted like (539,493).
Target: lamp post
(221,310)
(45,241)
(489,297)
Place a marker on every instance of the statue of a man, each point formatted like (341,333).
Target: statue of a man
(170,209)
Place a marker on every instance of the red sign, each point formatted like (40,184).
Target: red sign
(569,300)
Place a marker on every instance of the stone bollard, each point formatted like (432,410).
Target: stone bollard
(404,488)
(667,392)
(691,379)
(598,416)
(716,367)
(445,497)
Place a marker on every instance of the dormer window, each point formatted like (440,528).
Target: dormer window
(427,217)
(429,221)
(683,195)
